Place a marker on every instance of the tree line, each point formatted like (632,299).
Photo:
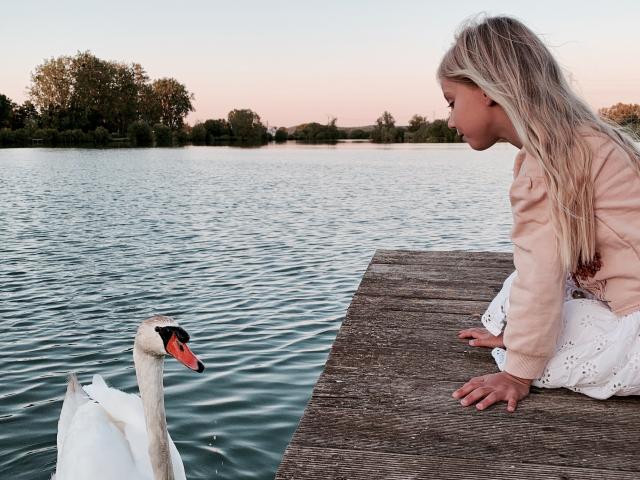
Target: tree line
(82,100)
(419,130)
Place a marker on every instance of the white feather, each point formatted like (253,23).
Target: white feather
(102,432)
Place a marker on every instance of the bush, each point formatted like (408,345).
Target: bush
(359,134)
(164,137)
(49,136)
(181,137)
(101,137)
(6,137)
(66,138)
(140,134)
(22,137)
(17,138)
(198,134)
(216,129)
(80,137)
(282,135)
(73,138)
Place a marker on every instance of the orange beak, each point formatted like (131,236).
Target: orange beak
(183,354)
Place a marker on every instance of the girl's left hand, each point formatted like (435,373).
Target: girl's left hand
(493,388)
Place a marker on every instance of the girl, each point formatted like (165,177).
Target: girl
(569,316)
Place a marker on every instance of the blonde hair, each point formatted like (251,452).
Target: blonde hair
(514,68)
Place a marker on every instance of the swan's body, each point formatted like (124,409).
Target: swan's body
(106,434)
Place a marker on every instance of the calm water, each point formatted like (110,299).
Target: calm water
(255,252)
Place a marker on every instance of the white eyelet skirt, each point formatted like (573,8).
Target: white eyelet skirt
(597,353)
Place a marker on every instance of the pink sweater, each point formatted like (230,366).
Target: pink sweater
(534,318)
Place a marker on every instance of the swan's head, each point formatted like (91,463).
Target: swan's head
(160,335)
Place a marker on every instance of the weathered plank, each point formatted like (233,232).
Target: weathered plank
(470,436)
(550,405)
(382,407)
(335,464)
(445,258)
(413,304)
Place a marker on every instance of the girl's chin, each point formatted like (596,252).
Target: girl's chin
(475,145)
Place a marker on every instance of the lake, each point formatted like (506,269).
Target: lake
(255,252)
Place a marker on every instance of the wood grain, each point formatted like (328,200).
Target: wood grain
(382,408)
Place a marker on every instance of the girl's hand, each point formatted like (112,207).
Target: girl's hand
(493,388)
(481,337)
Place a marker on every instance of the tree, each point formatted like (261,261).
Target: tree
(6,111)
(148,106)
(163,135)
(385,130)
(439,132)
(174,101)
(315,132)
(51,90)
(104,93)
(123,107)
(281,135)
(85,92)
(198,134)
(416,122)
(331,131)
(91,80)
(101,137)
(140,134)
(181,137)
(217,130)
(359,134)
(246,126)
(24,116)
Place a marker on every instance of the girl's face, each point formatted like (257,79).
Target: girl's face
(473,114)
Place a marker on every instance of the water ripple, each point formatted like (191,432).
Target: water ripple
(256,253)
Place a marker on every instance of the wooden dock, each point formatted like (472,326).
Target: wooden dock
(382,408)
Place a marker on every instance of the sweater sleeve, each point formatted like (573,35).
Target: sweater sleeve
(536,298)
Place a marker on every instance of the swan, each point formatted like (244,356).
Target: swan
(106,434)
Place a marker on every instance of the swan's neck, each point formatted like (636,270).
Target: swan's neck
(149,374)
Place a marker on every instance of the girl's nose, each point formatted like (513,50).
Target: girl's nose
(450,122)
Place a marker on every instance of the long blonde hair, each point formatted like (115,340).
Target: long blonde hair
(514,68)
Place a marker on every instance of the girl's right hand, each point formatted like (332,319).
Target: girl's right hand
(481,337)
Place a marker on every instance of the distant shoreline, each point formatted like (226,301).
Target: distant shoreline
(116,146)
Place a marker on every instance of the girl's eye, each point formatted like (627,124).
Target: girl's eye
(450,105)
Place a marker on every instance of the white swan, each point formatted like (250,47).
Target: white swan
(112,435)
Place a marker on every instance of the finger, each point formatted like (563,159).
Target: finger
(490,341)
(465,333)
(467,388)
(471,332)
(477,394)
(487,401)
(511,405)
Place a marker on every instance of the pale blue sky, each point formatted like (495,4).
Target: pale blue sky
(296,61)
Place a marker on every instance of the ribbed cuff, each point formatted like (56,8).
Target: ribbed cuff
(524,366)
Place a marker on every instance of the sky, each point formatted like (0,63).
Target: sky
(302,61)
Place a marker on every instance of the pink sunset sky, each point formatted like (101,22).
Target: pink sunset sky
(294,62)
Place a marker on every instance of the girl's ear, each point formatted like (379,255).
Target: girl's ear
(487,100)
